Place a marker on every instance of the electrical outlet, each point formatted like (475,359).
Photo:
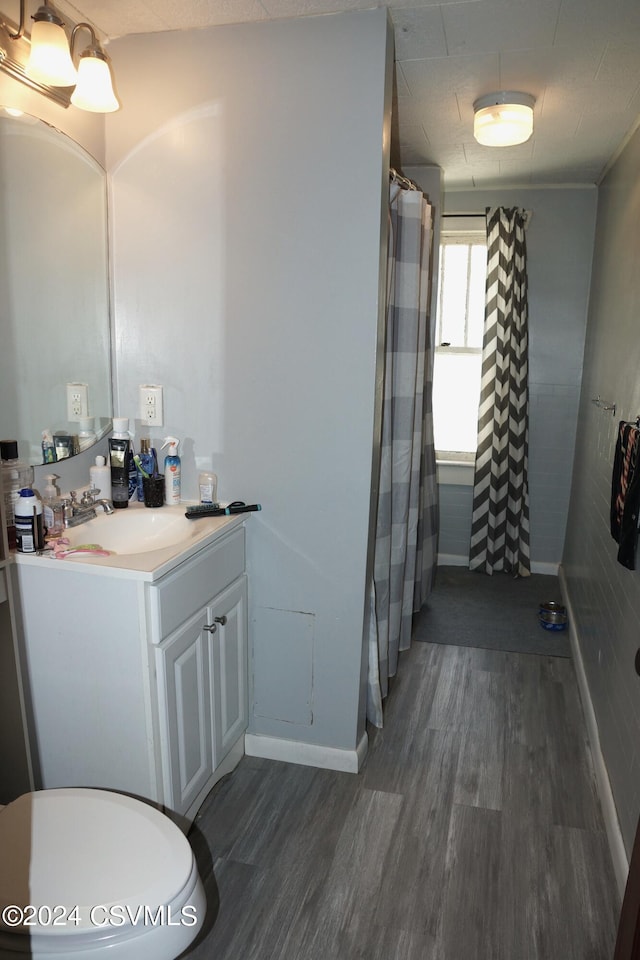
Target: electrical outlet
(77,401)
(151,411)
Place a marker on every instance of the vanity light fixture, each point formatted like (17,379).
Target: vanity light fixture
(94,89)
(48,66)
(503,119)
(50,59)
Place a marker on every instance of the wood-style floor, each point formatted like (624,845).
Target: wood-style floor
(473,831)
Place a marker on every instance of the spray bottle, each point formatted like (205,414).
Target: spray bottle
(171,471)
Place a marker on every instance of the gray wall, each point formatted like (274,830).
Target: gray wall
(249,184)
(456,506)
(559,252)
(605,596)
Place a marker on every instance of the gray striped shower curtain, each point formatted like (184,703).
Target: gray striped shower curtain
(500,521)
(406,533)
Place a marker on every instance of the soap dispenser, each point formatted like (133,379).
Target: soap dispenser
(52,512)
(171,471)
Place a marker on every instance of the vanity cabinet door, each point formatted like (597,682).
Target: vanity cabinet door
(15,764)
(182,664)
(228,665)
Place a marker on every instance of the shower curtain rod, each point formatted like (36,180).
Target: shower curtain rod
(402,181)
(527,216)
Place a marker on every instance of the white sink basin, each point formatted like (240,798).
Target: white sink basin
(136,530)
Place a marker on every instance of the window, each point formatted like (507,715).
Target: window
(458,343)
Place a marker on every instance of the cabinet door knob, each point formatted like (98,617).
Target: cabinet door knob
(210,627)
(221,620)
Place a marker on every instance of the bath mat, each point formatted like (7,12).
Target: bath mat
(471,609)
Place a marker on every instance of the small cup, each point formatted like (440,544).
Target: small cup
(153,491)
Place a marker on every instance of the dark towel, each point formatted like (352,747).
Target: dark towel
(625,493)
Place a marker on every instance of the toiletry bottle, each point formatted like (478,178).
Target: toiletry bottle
(147,462)
(86,433)
(16,474)
(171,471)
(100,478)
(64,445)
(133,474)
(52,513)
(48,449)
(28,517)
(119,451)
(208,484)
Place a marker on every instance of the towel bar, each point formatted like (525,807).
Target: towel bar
(604,404)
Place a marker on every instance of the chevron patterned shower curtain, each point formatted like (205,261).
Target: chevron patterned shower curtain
(406,533)
(500,524)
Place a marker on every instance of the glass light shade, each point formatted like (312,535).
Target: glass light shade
(94,90)
(503,120)
(50,61)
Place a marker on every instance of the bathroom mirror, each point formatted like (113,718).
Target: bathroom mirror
(54,292)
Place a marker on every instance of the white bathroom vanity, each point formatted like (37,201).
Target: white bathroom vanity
(137,666)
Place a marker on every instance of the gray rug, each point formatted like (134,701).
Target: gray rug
(470,609)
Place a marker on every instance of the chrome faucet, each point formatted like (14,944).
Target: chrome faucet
(76,512)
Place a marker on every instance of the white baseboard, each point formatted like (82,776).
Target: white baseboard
(612,824)
(452,560)
(456,560)
(548,569)
(308,754)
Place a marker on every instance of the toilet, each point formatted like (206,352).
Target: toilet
(87,872)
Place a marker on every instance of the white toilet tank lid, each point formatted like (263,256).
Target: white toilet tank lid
(91,849)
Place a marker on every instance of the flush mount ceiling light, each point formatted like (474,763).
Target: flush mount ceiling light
(503,119)
(49,67)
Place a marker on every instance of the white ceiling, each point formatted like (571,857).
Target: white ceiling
(579,58)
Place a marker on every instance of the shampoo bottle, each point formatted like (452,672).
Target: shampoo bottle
(119,457)
(171,471)
(28,516)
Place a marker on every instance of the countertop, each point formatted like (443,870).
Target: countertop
(148,566)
